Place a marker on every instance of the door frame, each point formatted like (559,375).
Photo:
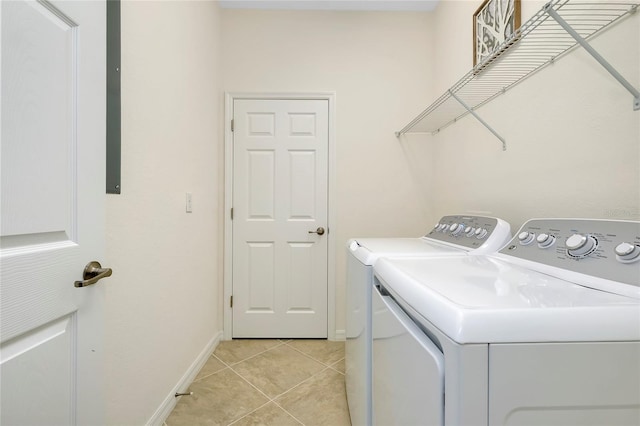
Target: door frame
(230,97)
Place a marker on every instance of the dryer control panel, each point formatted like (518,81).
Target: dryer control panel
(479,234)
(607,249)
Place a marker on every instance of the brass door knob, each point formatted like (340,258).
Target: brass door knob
(93,273)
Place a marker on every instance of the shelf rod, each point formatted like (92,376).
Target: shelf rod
(484,123)
(595,54)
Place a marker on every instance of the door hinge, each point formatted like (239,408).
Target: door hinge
(231,302)
(231,213)
(232,125)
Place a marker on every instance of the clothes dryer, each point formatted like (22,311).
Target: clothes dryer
(454,235)
(544,332)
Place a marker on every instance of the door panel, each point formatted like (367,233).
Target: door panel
(261,277)
(261,185)
(300,281)
(41,89)
(41,362)
(302,174)
(52,181)
(280,193)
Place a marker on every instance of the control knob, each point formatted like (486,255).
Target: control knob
(444,227)
(526,238)
(627,253)
(456,229)
(579,245)
(468,231)
(545,240)
(481,233)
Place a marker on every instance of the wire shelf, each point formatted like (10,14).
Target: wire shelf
(538,42)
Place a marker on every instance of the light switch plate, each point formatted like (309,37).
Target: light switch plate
(189,205)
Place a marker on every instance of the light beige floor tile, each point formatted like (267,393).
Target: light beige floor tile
(320,400)
(339,366)
(213,365)
(268,415)
(277,370)
(217,399)
(325,351)
(232,351)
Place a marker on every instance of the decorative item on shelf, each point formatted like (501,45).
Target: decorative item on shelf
(493,23)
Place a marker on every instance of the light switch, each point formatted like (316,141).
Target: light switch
(189,206)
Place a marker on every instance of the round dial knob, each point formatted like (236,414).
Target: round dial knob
(468,231)
(627,253)
(481,233)
(526,238)
(456,229)
(444,227)
(545,240)
(437,225)
(579,245)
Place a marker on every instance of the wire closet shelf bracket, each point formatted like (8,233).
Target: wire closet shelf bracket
(557,28)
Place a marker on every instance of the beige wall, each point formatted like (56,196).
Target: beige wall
(573,140)
(163,298)
(378,65)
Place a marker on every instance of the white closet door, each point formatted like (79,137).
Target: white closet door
(280,196)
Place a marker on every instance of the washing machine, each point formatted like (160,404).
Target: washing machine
(544,332)
(453,235)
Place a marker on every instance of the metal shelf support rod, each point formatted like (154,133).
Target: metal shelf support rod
(636,94)
(484,123)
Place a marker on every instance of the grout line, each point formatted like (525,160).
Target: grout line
(292,388)
(255,355)
(273,400)
(285,410)
(335,369)
(309,356)
(248,414)
(251,384)
(263,405)
(302,382)
(211,374)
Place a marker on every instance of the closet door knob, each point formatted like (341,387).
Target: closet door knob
(318,231)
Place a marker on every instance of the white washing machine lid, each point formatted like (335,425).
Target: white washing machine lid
(478,299)
(369,250)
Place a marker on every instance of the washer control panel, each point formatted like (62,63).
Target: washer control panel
(606,249)
(472,232)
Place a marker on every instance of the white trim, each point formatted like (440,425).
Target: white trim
(341,335)
(170,401)
(228,203)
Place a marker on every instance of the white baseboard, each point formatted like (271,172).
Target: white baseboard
(170,401)
(341,335)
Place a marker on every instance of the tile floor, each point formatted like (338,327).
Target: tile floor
(268,382)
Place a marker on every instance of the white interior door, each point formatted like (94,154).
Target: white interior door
(52,180)
(280,189)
